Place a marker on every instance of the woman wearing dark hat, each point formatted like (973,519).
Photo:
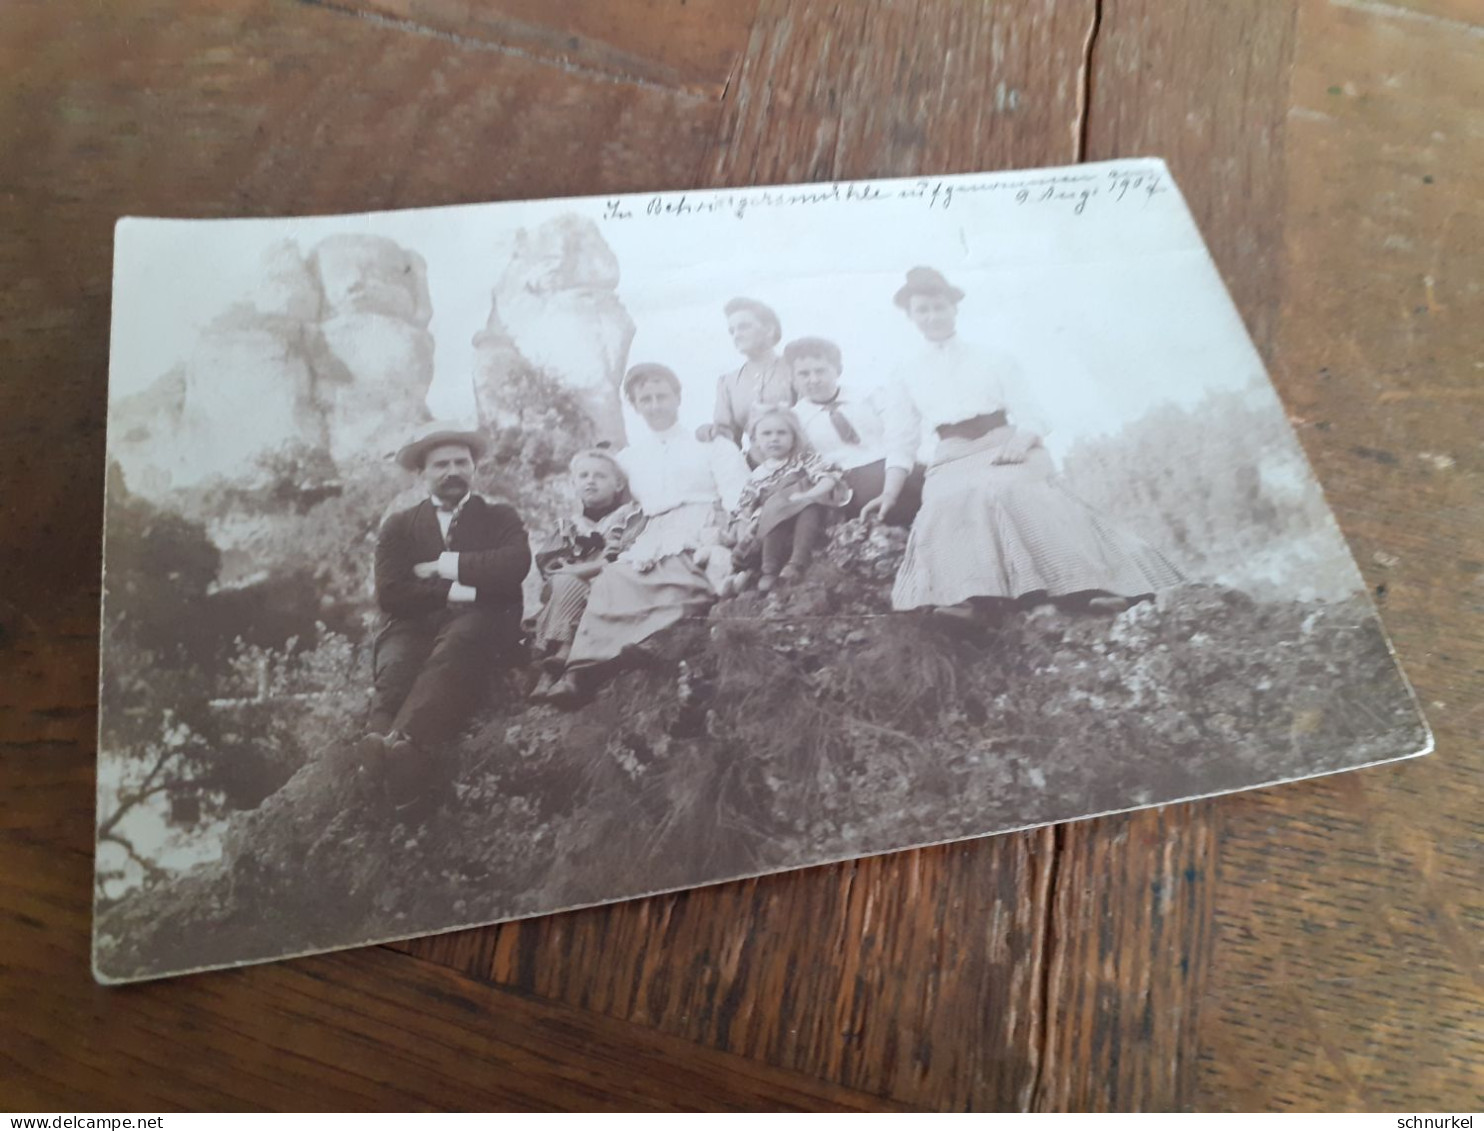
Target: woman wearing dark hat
(994,523)
(676,564)
(764,379)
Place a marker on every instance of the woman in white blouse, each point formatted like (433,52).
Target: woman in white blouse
(994,523)
(675,566)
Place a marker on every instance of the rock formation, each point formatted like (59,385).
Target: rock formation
(250,390)
(329,354)
(246,390)
(556,312)
(375,328)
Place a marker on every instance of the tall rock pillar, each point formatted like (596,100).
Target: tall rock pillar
(379,354)
(557,337)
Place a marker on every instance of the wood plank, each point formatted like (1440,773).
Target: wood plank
(876,89)
(1127,955)
(1347,968)
(689,45)
(912,975)
(361,1031)
(1205,86)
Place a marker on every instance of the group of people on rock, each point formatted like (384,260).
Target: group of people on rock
(678,518)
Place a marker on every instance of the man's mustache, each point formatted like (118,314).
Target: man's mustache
(453,481)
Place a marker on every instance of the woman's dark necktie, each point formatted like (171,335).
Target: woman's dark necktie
(843,428)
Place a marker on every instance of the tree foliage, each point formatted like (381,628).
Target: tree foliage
(206,690)
(1223,488)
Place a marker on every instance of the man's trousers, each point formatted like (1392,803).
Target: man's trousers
(430,672)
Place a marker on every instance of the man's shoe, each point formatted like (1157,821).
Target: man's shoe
(420,782)
(369,759)
(406,771)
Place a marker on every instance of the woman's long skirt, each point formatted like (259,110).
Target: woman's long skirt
(626,605)
(1008,530)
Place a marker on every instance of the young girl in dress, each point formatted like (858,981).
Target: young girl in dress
(785,505)
(606,524)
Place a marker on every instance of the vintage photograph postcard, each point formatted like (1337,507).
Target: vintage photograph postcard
(472,563)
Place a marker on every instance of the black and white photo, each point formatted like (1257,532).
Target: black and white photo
(473,563)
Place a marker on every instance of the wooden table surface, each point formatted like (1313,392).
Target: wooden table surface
(1309,946)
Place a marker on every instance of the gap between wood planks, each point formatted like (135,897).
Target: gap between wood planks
(1034,1097)
(1084,84)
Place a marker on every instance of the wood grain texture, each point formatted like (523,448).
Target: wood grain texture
(688,45)
(364,1031)
(1316,945)
(1127,951)
(1347,964)
(831,91)
(914,976)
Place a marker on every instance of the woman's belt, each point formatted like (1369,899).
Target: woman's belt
(973,428)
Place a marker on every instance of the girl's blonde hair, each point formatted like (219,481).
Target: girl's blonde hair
(603,455)
(801,447)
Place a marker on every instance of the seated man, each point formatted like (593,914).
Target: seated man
(448,580)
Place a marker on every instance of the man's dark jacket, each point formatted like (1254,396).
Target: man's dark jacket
(494,557)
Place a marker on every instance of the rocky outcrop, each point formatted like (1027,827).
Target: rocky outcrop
(375,331)
(246,391)
(329,354)
(556,312)
(807,725)
(286,286)
(300,392)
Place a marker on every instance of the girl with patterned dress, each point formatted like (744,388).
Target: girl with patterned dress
(784,507)
(606,524)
